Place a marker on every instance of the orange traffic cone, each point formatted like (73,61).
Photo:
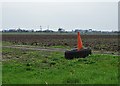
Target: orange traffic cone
(79,41)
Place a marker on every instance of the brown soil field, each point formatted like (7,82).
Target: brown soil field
(96,42)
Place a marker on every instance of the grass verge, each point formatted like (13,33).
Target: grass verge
(42,67)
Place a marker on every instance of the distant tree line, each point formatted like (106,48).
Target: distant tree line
(23,30)
(18,30)
(60,30)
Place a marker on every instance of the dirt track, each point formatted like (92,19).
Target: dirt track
(36,48)
(54,49)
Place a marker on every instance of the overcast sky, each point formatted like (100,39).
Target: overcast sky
(68,15)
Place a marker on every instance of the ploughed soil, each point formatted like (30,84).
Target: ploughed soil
(95,42)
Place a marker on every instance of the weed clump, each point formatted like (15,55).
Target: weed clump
(28,64)
(29,67)
(52,63)
(44,61)
(71,80)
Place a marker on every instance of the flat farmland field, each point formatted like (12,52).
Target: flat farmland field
(39,59)
(97,42)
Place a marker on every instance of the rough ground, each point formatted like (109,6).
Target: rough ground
(24,47)
(36,48)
